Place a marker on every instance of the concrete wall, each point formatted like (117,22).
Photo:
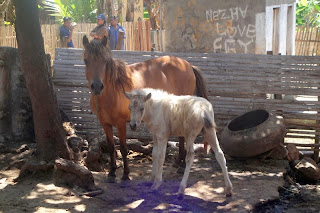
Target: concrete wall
(15,105)
(279,2)
(232,26)
(215,26)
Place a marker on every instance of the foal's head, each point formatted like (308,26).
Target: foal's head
(137,107)
(98,59)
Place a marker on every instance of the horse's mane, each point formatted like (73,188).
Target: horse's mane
(115,74)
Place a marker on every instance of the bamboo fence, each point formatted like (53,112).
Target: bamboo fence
(137,36)
(237,83)
(308,41)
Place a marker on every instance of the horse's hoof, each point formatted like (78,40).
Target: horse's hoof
(180,196)
(125,177)
(125,183)
(111,179)
(180,170)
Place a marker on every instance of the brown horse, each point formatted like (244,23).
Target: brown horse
(108,79)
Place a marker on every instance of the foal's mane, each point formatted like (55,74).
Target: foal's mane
(115,75)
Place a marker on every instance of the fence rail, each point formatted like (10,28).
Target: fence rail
(237,83)
(138,36)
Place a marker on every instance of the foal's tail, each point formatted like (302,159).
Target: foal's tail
(201,86)
(209,121)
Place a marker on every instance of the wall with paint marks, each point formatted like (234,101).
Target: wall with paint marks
(215,26)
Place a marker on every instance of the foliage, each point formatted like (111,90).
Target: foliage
(78,10)
(308,13)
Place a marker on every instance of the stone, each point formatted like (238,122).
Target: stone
(69,128)
(293,152)
(72,174)
(33,166)
(278,153)
(307,170)
(93,157)
(22,148)
(76,144)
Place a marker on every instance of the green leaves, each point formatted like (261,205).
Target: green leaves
(78,10)
(308,13)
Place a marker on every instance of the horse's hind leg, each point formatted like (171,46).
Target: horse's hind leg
(124,150)
(112,173)
(189,161)
(211,138)
(182,154)
(180,162)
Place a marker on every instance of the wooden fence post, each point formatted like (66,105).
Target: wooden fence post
(120,40)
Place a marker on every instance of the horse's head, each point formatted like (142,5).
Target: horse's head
(98,59)
(136,107)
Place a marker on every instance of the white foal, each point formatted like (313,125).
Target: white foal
(166,114)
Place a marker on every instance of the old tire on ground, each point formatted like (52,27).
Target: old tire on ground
(252,133)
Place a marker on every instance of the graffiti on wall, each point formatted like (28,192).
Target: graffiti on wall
(230,29)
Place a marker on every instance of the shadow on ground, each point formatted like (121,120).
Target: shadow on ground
(253,182)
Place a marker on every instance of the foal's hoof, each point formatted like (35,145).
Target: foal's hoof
(180,196)
(111,179)
(228,192)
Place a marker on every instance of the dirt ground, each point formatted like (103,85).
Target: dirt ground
(255,182)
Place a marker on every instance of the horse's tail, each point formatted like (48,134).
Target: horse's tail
(201,86)
(208,121)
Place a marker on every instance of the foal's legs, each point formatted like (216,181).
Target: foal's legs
(155,158)
(112,173)
(211,138)
(161,154)
(124,150)
(189,161)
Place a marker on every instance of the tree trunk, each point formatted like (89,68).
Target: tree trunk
(151,15)
(50,135)
(130,11)
(108,8)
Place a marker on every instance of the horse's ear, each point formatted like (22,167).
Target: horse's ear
(104,41)
(128,95)
(147,97)
(85,41)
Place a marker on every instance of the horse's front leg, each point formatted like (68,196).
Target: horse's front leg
(112,173)
(159,161)
(124,150)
